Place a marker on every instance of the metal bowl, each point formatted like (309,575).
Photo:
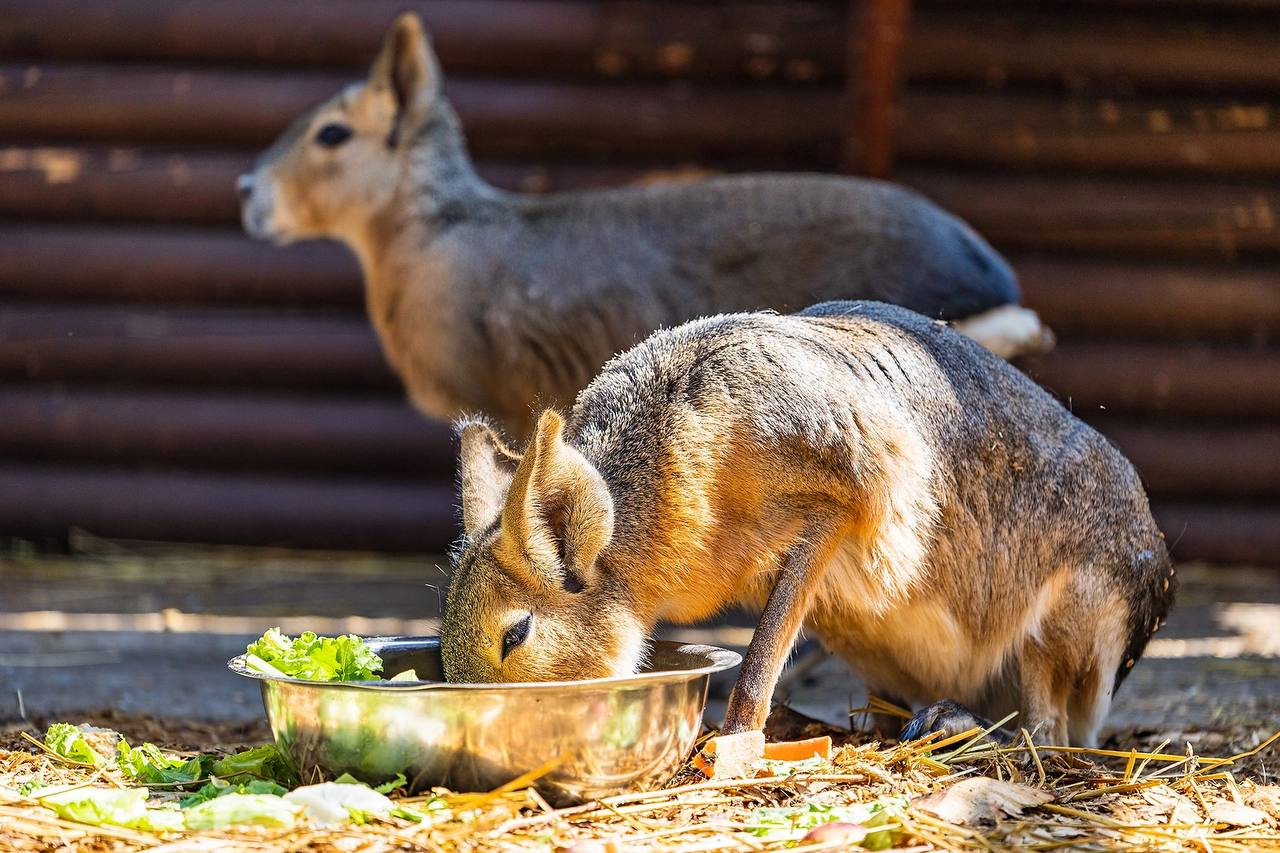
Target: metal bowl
(603,736)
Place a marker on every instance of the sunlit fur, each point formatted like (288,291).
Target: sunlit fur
(498,302)
(535,526)
(960,534)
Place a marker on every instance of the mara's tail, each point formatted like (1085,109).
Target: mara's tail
(1008,331)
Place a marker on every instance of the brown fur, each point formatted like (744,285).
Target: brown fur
(492,301)
(935,517)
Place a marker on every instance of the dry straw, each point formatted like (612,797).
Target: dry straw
(1159,798)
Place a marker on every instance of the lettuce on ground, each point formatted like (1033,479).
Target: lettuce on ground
(125,807)
(242,810)
(217,788)
(68,741)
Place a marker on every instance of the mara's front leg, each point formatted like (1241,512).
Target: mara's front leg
(784,613)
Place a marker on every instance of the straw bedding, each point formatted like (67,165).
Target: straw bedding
(1148,792)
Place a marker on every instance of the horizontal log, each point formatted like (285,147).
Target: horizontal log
(1165,301)
(1221,533)
(1108,215)
(369,436)
(173,265)
(1198,460)
(249,349)
(158,104)
(85,182)
(1091,378)
(797,41)
(532,119)
(1104,48)
(784,39)
(205,348)
(1004,130)
(42,502)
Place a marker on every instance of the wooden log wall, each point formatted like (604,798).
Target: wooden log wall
(161,376)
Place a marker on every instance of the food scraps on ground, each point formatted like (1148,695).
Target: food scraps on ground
(747,754)
(979,796)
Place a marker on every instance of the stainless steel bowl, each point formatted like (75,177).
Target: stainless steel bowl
(604,736)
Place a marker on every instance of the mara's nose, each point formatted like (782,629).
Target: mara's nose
(244,187)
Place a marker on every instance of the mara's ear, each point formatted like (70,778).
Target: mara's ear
(407,67)
(485,467)
(558,508)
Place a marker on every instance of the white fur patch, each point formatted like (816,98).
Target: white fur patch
(633,652)
(1007,331)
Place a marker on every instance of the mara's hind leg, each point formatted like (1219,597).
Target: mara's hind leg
(1046,686)
(1069,669)
(1091,699)
(1088,708)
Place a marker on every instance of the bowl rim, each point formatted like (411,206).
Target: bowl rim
(718,659)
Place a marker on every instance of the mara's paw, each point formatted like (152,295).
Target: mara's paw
(950,718)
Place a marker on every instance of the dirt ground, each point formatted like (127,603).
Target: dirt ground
(143,633)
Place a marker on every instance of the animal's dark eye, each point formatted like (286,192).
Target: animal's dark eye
(516,635)
(333,135)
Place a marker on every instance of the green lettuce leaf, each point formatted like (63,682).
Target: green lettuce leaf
(218,788)
(149,765)
(236,809)
(312,658)
(113,807)
(261,762)
(68,741)
(389,786)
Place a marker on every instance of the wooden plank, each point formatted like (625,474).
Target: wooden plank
(47,502)
(1141,218)
(1157,301)
(287,433)
(875,51)
(152,104)
(1011,130)
(1095,377)
(173,265)
(1198,461)
(1221,533)
(1105,48)
(192,348)
(78,182)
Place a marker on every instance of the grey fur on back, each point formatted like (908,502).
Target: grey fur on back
(1024,487)
(561,283)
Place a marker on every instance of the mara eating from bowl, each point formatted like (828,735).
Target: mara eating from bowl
(602,736)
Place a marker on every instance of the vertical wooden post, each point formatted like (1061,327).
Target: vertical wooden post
(877,29)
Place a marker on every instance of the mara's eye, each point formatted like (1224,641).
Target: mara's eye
(516,635)
(333,135)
